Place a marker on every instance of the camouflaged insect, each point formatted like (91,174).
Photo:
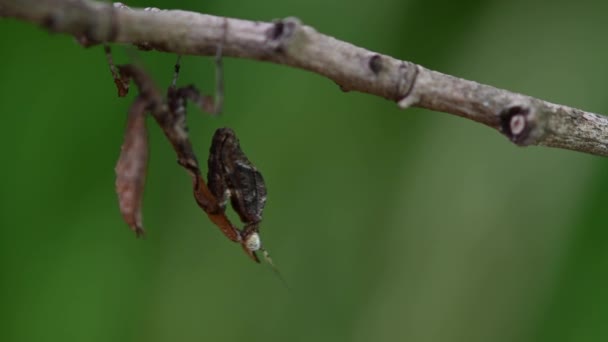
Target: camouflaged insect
(231,176)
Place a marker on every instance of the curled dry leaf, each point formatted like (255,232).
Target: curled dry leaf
(131,167)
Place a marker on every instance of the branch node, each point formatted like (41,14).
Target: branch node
(375,64)
(518,123)
(281,34)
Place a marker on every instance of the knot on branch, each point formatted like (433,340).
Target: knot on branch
(375,64)
(282,33)
(521,124)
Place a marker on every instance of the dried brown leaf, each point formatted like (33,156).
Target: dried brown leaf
(131,167)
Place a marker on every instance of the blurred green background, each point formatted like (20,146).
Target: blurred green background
(388,225)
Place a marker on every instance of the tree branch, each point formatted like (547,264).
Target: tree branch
(523,119)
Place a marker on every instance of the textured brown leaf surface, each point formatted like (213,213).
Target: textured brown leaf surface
(131,167)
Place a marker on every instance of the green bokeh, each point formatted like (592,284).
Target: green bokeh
(388,225)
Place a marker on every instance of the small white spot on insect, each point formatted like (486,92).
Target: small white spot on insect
(244,165)
(517,124)
(253,242)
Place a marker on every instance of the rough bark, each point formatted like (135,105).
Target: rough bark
(523,119)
